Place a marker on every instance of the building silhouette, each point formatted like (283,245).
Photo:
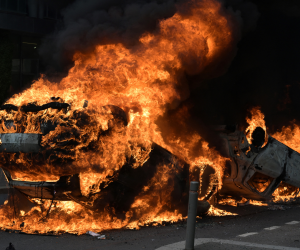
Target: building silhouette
(23,24)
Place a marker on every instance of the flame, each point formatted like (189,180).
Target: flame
(290,136)
(256,120)
(214,211)
(68,216)
(142,80)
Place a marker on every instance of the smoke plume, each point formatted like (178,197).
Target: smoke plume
(87,23)
(264,72)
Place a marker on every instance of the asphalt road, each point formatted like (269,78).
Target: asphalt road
(251,219)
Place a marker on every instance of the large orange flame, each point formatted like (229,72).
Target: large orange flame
(142,80)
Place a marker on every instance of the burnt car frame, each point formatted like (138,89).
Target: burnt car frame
(253,172)
(256,170)
(119,192)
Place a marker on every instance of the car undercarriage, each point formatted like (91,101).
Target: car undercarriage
(254,169)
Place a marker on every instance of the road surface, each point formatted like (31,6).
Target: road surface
(253,224)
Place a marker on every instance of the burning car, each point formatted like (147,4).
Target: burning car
(50,152)
(253,172)
(256,170)
(106,161)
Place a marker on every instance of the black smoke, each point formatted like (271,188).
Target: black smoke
(265,73)
(87,23)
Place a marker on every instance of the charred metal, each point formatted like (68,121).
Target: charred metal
(256,171)
(253,172)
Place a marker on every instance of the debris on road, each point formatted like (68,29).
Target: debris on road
(101,237)
(93,234)
(278,207)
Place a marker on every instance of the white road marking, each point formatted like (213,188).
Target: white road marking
(271,228)
(180,245)
(247,234)
(292,222)
(198,242)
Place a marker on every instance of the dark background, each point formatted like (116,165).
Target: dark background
(265,72)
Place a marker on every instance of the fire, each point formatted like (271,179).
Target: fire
(256,120)
(214,211)
(289,136)
(142,80)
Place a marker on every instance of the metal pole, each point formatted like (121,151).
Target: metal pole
(192,212)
